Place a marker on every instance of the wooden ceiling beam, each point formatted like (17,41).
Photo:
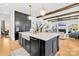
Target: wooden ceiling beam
(61,9)
(70,17)
(63,15)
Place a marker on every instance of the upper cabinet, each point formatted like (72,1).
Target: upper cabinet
(22,23)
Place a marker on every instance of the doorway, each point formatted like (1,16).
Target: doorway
(4,31)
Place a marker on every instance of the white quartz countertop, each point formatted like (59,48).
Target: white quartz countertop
(25,35)
(43,36)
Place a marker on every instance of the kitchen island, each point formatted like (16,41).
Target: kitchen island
(39,44)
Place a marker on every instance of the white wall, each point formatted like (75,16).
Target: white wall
(0,27)
(12,28)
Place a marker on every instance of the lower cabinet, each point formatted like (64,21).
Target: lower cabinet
(24,43)
(55,45)
(27,46)
(35,46)
(40,47)
(20,39)
(44,48)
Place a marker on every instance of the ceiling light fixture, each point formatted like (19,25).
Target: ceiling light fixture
(30,17)
(43,12)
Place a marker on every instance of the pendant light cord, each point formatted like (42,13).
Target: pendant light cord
(43,7)
(30,8)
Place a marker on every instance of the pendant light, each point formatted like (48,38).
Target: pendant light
(43,12)
(30,17)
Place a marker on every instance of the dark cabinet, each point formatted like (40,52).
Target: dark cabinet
(35,47)
(24,43)
(44,48)
(16,35)
(20,39)
(27,46)
(55,45)
(40,47)
(22,23)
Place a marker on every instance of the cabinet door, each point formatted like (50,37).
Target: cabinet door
(48,48)
(55,45)
(27,46)
(42,48)
(35,49)
(20,39)
(23,42)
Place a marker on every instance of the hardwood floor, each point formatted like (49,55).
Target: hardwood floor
(68,47)
(7,45)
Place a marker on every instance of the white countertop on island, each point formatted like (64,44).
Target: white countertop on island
(43,35)
(25,35)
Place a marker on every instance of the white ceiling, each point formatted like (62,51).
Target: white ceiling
(6,8)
